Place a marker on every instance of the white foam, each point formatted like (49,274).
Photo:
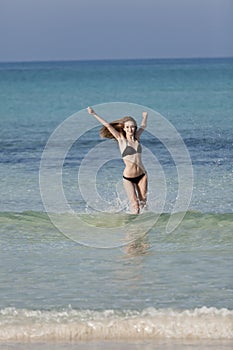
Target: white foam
(73,325)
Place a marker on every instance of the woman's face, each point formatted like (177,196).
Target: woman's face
(130,128)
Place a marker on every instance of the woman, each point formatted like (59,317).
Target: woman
(126,133)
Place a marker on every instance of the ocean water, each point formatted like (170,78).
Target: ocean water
(87,272)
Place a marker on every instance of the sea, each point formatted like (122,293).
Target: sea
(78,271)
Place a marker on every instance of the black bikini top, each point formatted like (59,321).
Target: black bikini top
(129,150)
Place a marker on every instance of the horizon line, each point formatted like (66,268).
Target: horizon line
(116,59)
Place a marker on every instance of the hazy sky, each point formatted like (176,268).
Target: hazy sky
(102,29)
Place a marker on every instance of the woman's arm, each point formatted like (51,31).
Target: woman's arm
(112,130)
(143,124)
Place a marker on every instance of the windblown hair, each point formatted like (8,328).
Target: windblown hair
(118,125)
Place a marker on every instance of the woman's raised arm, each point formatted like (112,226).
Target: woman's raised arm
(112,130)
(143,124)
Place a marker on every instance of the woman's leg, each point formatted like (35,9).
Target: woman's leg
(130,190)
(142,190)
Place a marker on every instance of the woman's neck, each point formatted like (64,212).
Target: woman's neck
(130,138)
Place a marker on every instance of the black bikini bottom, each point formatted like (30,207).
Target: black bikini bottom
(134,180)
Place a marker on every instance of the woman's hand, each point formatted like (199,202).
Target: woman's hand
(144,114)
(90,110)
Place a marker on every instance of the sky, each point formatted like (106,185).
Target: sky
(45,30)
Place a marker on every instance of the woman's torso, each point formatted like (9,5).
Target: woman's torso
(131,155)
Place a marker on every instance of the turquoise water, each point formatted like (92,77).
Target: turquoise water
(142,283)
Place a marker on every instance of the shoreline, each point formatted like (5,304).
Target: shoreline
(159,344)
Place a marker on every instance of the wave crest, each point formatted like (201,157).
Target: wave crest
(73,325)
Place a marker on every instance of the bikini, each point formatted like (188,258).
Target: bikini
(129,151)
(134,180)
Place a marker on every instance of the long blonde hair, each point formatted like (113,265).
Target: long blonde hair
(118,125)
